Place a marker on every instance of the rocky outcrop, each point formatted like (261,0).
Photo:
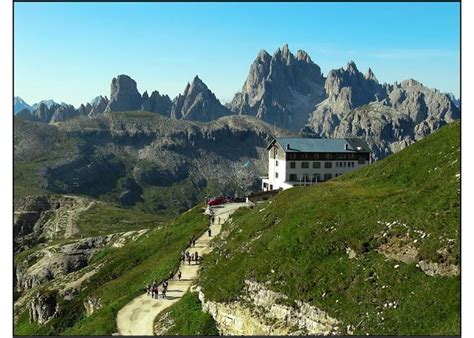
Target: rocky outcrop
(92,304)
(262,312)
(157,103)
(99,105)
(197,103)
(57,262)
(42,308)
(281,89)
(124,95)
(63,112)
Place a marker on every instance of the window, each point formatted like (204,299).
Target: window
(316,165)
(327,177)
(276,174)
(276,163)
(293,177)
(327,164)
(305,156)
(304,165)
(293,165)
(327,156)
(337,164)
(345,164)
(305,178)
(292,156)
(315,156)
(352,164)
(271,186)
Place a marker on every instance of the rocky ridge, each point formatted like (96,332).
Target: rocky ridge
(389,117)
(197,103)
(281,89)
(260,312)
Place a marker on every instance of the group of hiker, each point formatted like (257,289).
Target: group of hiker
(190,257)
(153,289)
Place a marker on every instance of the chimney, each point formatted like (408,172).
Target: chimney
(347,146)
(287,146)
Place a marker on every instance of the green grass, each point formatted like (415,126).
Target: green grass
(124,273)
(304,232)
(27,176)
(103,219)
(188,319)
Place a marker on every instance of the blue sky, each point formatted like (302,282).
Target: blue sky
(70,51)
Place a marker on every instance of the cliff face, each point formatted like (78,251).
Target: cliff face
(261,313)
(281,89)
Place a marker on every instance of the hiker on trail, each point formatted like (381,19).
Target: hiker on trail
(179,275)
(209,232)
(164,293)
(218,220)
(212,220)
(196,257)
(189,260)
(154,291)
(147,289)
(183,257)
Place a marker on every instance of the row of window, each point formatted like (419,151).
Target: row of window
(321,156)
(317,165)
(308,178)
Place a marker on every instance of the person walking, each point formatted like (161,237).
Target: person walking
(147,289)
(196,257)
(171,275)
(179,275)
(189,259)
(209,232)
(218,220)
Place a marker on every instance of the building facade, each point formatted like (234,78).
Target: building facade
(307,161)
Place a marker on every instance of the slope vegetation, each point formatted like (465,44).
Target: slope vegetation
(377,249)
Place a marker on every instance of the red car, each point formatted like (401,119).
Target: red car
(217,201)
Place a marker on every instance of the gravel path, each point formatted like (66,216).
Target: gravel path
(137,317)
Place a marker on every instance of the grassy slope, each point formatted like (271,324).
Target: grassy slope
(125,272)
(103,219)
(27,177)
(304,233)
(188,319)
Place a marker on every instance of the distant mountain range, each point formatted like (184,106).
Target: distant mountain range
(288,91)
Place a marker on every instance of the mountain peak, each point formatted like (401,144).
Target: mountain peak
(351,67)
(370,75)
(301,55)
(124,94)
(263,55)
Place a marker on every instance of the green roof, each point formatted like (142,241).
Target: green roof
(321,145)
